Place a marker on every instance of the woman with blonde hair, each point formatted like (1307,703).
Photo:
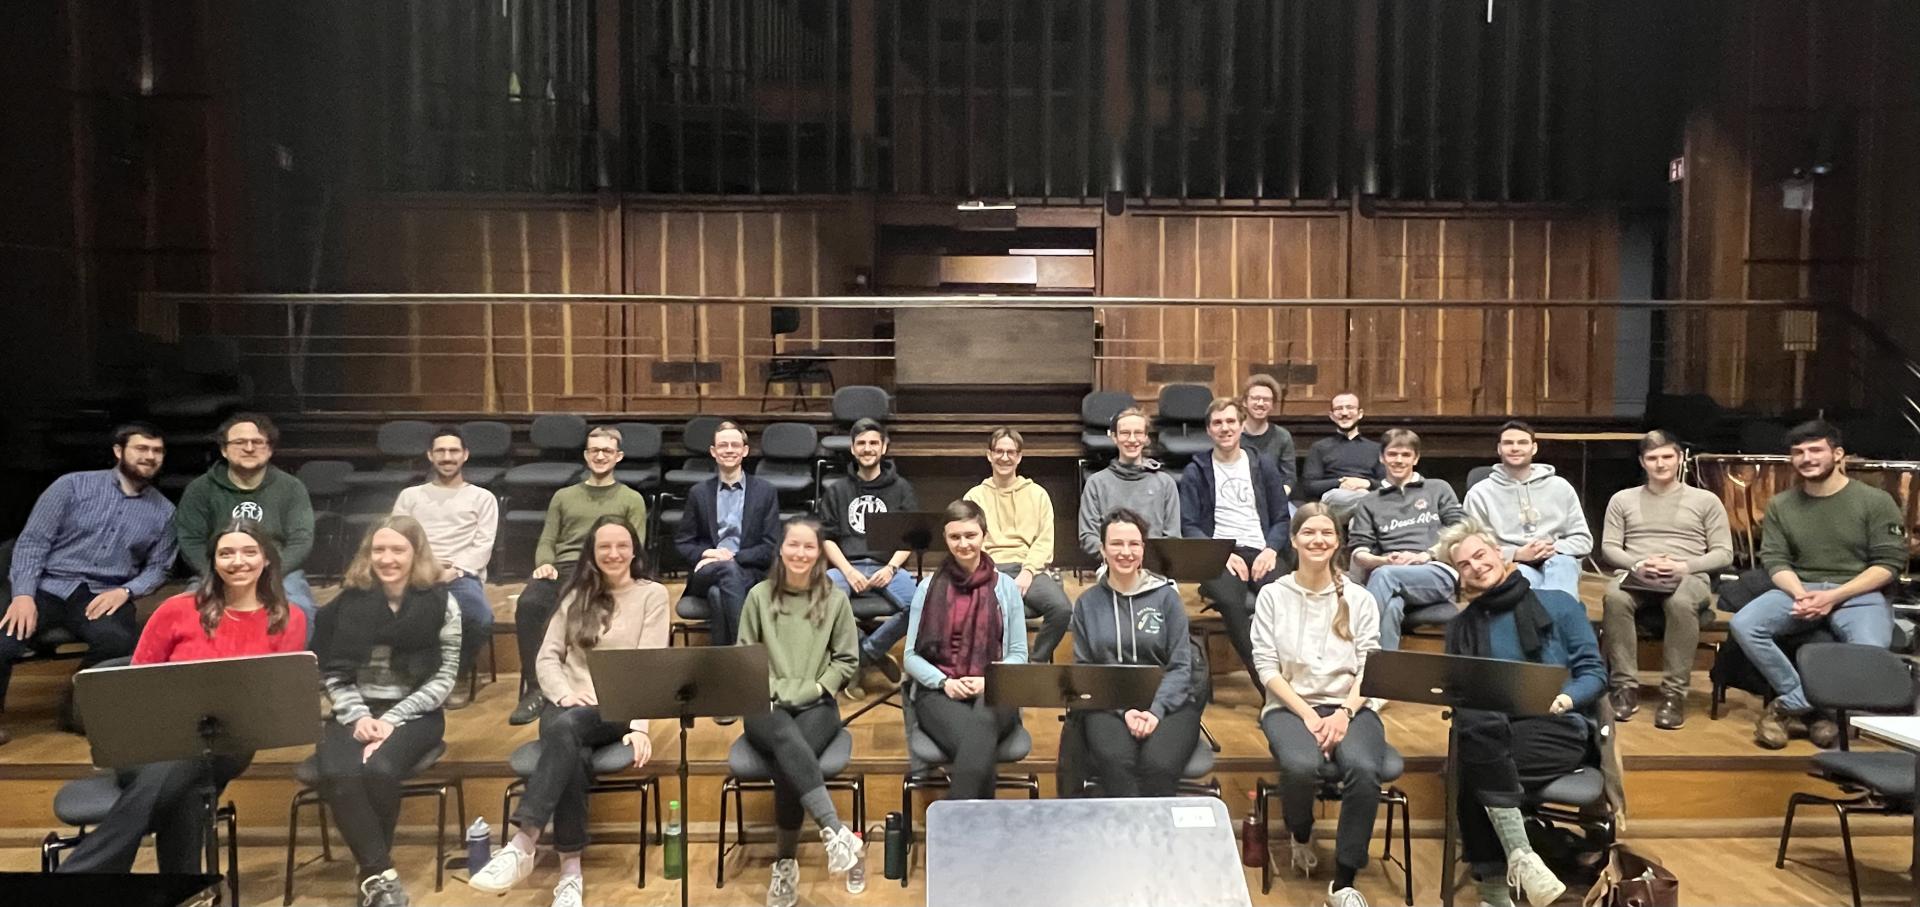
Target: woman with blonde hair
(389,648)
(1312,633)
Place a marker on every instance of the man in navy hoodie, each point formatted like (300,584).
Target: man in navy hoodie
(1229,494)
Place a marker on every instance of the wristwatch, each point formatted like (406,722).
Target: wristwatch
(1350,713)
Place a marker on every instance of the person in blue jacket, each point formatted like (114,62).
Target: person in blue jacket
(1230,494)
(1502,755)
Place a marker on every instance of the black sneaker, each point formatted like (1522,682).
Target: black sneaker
(1626,701)
(528,709)
(889,667)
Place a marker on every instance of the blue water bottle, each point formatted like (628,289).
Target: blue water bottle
(479,836)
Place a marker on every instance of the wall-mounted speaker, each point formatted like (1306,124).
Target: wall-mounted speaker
(1116,203)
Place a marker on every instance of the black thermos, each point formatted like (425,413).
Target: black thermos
(896,866)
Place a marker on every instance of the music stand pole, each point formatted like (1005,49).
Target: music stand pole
(912,531)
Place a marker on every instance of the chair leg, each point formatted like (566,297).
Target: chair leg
(460,812)
(440,840)
(506,813)
(233,854)
(293,836)
(659,827)
(1264,817)
(641,877)
(1846,845)
(493,661)
(1786,829)
(1406,843)
(326,838)
(720,847)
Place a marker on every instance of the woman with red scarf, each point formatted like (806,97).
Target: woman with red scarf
(964,617)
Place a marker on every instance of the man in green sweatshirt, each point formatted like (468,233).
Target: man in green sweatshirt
(245,485)
(1832,546)
(1020,538)
(569,514)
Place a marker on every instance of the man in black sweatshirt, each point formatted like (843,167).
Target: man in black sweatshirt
(1341,470)
(871,486)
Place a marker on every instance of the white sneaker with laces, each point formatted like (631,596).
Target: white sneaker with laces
(783,888)
(843,848)
(1344,897)
(509,867)
(1304,859)
(1527,872)
(567,893)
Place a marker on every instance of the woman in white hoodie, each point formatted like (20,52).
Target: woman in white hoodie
(1312,632)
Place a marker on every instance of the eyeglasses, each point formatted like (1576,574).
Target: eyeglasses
(602,451)
(1003,454)
(248,443)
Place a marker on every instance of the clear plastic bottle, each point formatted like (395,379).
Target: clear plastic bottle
(857,876)
(673,853)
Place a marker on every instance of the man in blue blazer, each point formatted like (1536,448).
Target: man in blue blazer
(729,532)
(1227,494)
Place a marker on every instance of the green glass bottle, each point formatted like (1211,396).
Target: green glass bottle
(673,853)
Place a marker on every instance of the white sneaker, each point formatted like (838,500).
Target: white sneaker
(1344,897)
(567,893)
(1304,859)
(509,867)
(783,888)
(1527,872)
(843,848)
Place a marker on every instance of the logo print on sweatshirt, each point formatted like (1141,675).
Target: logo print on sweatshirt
(1420,504)
(857,510)
(1149,620)
(249,510)
(1237,491)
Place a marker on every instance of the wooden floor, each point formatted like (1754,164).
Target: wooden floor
(1712,871)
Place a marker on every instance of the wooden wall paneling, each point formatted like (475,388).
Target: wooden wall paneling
(843,242)
(680,276)
(1519,357)
(645,324)
(1215,273)
(1476,260)
(1422,277)
(1129,266)
(1325,259)
(720,234)
(759,238)
(1603,282)
(1376,341)
(1252,326)
(1179,255)
(1566,336)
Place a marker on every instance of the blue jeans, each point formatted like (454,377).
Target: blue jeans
(1560,572)
(1865,619)
(1395,586)
(898,590)
(472,599)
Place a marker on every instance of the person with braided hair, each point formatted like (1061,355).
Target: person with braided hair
(1312,633)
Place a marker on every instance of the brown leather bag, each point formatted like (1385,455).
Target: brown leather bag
(1632,880)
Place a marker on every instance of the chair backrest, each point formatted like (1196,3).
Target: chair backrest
(639,441)
(487,441)
(404,439)
(860,401)
(697,435)
(785,319)
(1098,408)
(1185,404)
(324,478)
(793,441)
(1852,677)
(559,434)
(1478,474)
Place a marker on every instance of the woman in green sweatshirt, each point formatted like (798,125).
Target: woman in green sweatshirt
(812,651)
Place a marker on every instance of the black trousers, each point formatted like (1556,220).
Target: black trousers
(112,636)
(969,732)
(365,795)
(532,611)
(1129,767)
(792,739)
(164,799)
(557,789)
(1500,757)
(724,584)
(1358,756)
(1233,597)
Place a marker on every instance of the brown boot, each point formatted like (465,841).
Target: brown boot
(1672,712)
(1771,730)
(1822,731)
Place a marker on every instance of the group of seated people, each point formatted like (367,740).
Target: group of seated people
(1321,575)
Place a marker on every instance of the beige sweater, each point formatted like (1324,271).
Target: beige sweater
(640,620)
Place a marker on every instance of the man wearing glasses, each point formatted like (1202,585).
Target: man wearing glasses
(1534,513)
(245,485)
(569,514)
(729,533)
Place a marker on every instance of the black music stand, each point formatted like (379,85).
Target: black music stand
(1518,688)
(682,684)
(1191,561)
(1072,686)
(141,714)
(917,531)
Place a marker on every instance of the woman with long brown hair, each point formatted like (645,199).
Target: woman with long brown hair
(608,603)
(389,648)
(1312,633)
(813,649)
(238,611)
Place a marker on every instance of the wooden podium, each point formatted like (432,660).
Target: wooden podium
(992,358)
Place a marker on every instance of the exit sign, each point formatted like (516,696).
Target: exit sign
(1676,170)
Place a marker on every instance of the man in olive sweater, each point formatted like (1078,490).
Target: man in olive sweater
(1832,546)
(569,514)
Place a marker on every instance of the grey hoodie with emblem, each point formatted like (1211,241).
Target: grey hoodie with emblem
(1143,488)
(1145,627)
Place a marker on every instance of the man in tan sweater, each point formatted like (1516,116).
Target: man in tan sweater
(1020,538)
(1665,540)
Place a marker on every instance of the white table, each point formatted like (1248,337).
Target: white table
(1902,731)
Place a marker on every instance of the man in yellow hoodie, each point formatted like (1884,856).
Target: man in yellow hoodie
(1020,539)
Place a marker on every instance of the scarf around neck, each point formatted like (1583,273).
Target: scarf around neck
(358,619)
(1467,634)
(962,631)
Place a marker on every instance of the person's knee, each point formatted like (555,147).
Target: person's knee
(1297,762)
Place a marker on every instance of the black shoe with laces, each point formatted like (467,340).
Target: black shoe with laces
(528,709)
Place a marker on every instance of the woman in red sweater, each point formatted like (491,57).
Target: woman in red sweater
(242,611)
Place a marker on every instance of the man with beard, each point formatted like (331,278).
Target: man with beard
(96,540)
(1665,542)
(1832,545)
(1534,513)
(871,486)
(460,519)
(1501,755)
(1341,470)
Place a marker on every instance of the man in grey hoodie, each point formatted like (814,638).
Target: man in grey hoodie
(1392,530)
(1534,513)
(1133,481)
